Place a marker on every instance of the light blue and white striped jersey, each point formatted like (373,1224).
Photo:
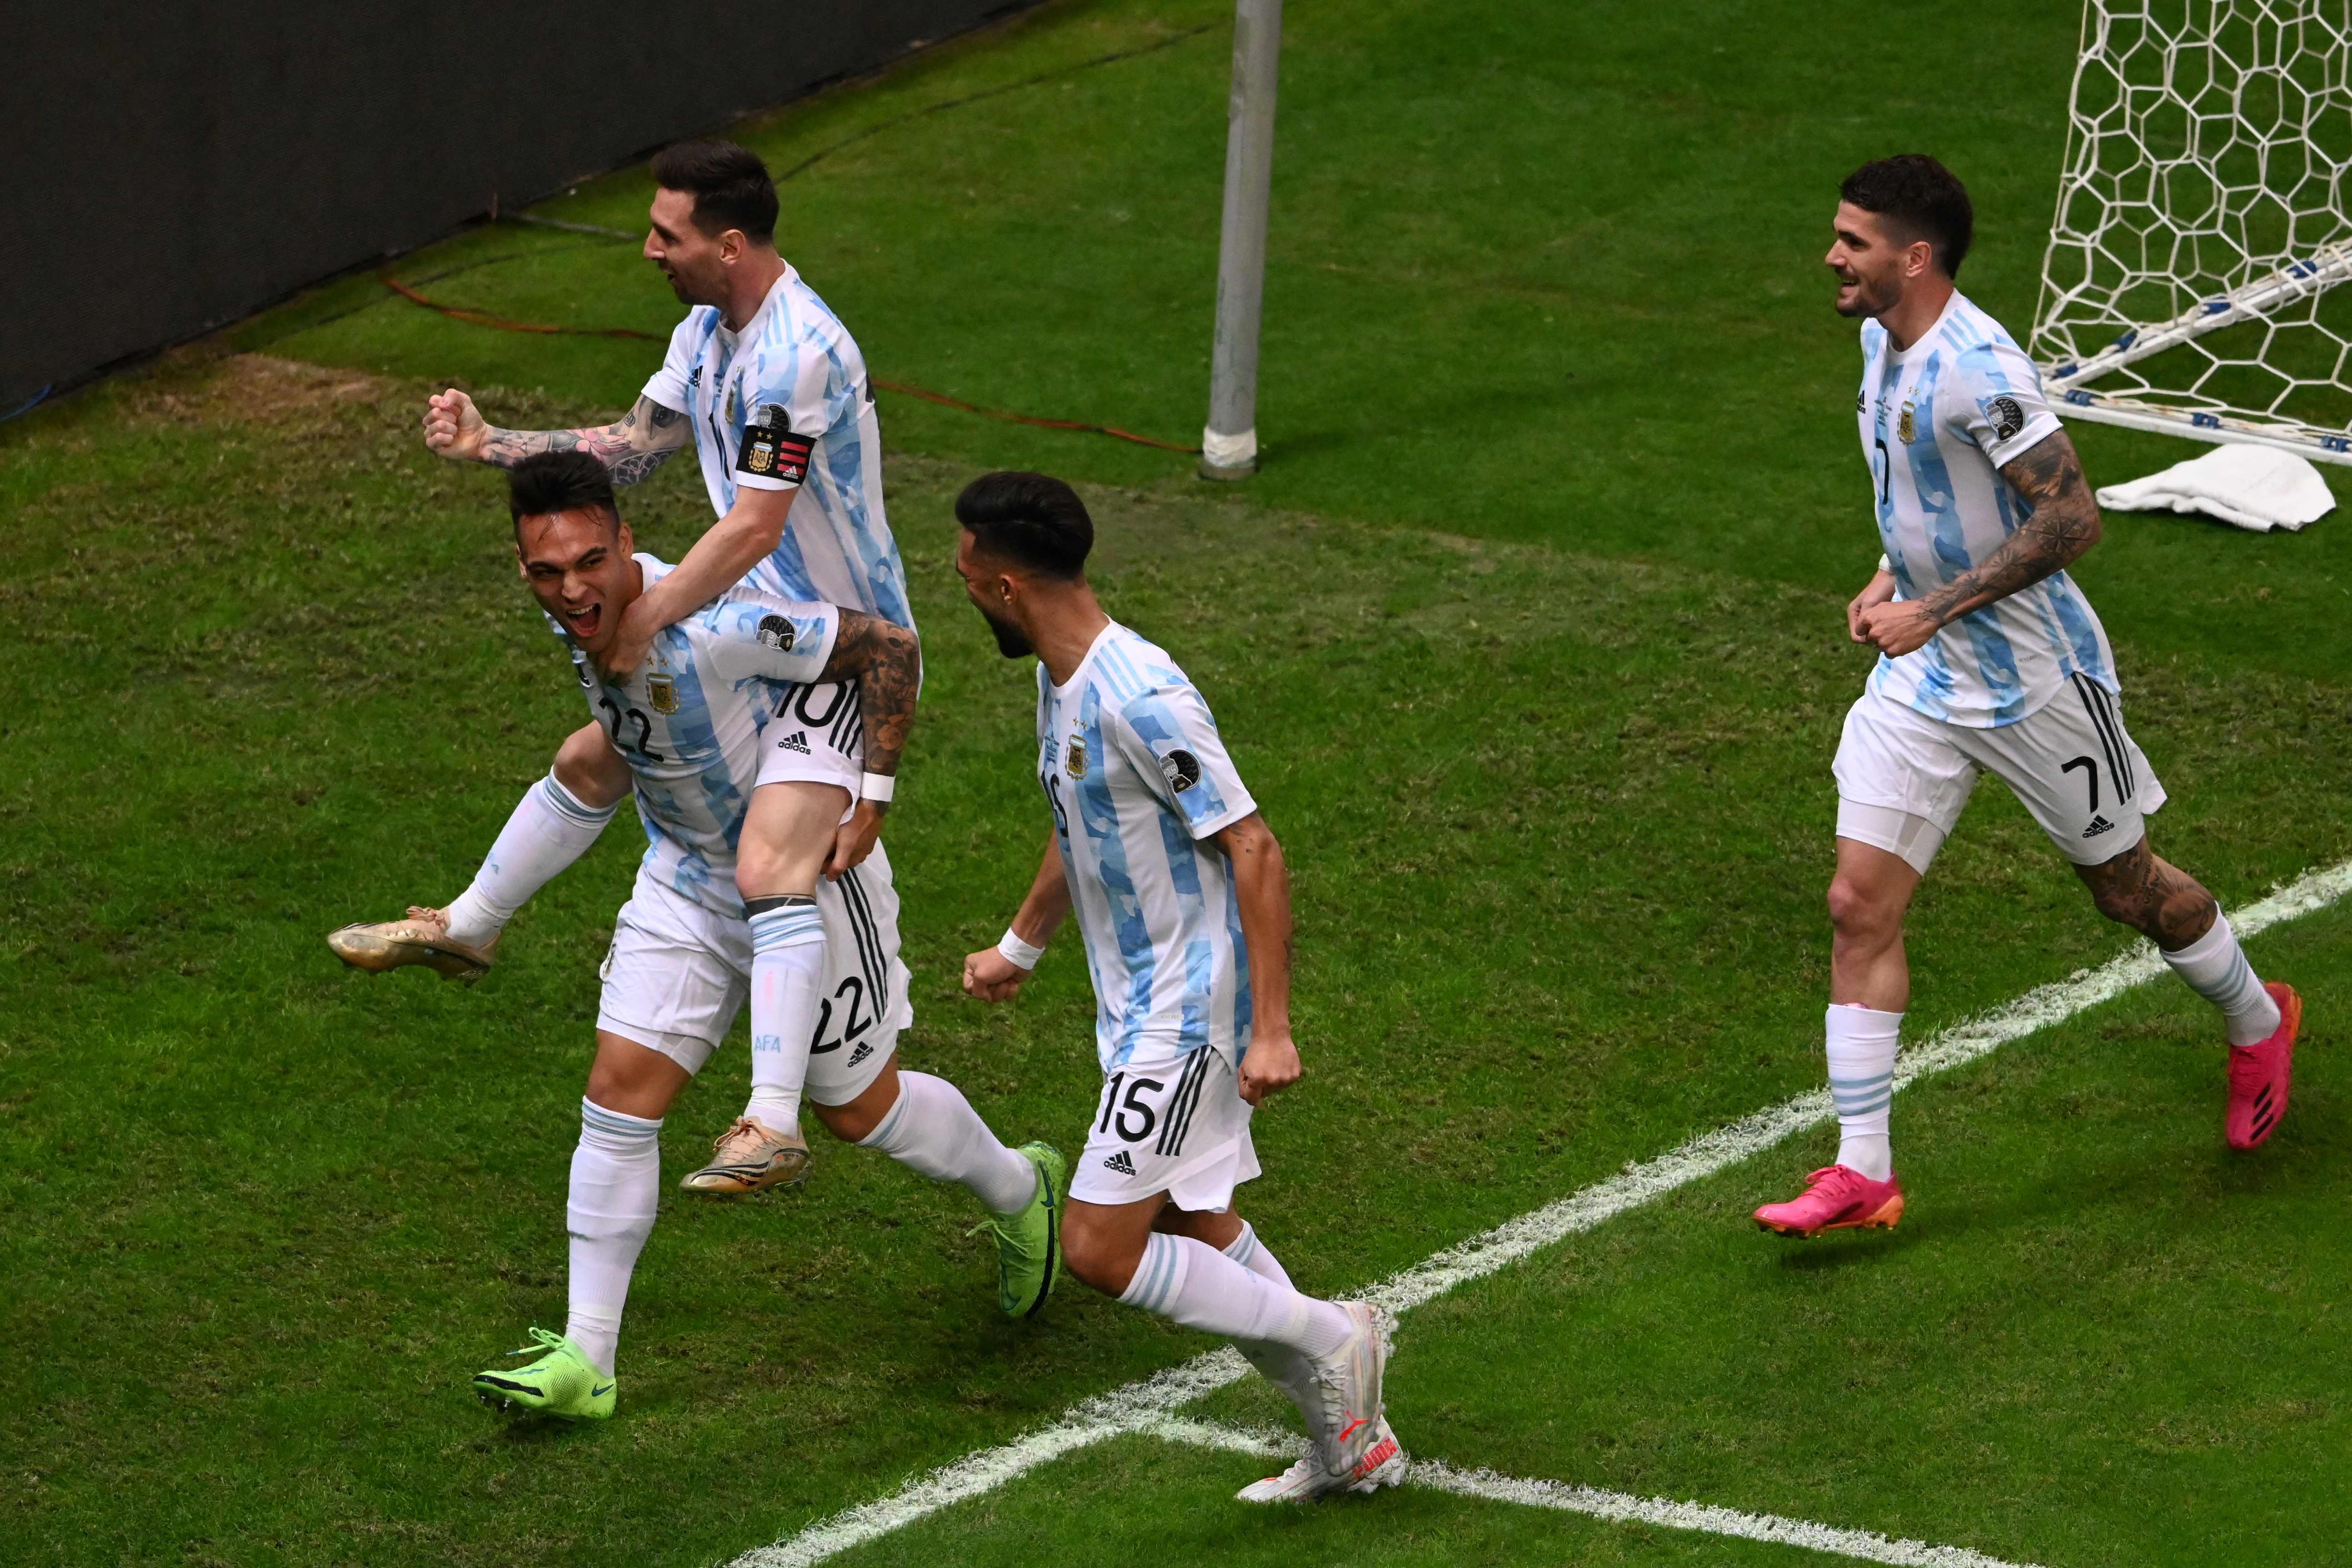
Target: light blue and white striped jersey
(1130,763)
(785,402)
(1938,420)
(688,722)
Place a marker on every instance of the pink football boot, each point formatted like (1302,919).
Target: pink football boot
(1836,1197)
(2259,1074)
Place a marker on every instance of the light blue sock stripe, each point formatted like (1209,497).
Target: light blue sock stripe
(1869,1107)
(1149,1289)
(1876,1077)
(565,804)
(786,928)
(1244,1247)
(617,1122)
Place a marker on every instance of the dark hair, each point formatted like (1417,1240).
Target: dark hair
(549,482)
(729,183)
(1033,521)
(1920,199)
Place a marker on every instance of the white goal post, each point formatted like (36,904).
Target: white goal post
(2201,224)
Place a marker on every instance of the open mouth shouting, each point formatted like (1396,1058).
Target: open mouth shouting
(584,623)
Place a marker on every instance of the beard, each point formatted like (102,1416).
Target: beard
(1865,300)
(1010,642)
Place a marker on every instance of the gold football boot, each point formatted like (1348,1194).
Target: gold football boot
(423,938)
(749,1158)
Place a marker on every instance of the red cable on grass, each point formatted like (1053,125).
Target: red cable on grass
(503,324)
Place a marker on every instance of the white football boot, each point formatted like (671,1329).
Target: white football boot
(1308,1479)
(1340,1396)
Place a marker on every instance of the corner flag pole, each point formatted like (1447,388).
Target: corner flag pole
(1228,444)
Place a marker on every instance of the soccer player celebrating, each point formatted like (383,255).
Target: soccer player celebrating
(694,717)
(1993,661)
(769,389)
(1183,900)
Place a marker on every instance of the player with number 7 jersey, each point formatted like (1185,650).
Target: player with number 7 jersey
(1183,900)
(1991,661)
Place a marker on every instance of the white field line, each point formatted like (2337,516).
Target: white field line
(1149,1401)
(1620,1506)
(1617,1508)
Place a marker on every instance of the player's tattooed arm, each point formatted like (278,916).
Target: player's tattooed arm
(2062,522)
(631,447)
(887,663)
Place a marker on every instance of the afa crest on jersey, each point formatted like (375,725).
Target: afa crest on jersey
(661,690)
(1074,757)
(1907,430)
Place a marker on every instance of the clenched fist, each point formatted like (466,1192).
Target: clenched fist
(453,427)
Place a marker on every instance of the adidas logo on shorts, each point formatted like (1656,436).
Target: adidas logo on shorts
(860,1053)
(795,741)
(2099,825)
(1120,1162)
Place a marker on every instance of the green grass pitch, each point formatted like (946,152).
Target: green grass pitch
(1528,639)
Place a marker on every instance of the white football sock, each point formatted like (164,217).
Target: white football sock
(1861,1043)
(1203,1289)
(615,1187)
(1280,1365)
(932,1127)
(2215,967)
(787,968)
(1254,1254)
(550,828)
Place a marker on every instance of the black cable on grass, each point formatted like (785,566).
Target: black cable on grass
(498,259)
(502,323)
(822,153)
(27,406)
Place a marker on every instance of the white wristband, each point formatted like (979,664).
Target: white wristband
(1885,566)
(1018,954)
(876,786)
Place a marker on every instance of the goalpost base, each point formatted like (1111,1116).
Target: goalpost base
(2318,446)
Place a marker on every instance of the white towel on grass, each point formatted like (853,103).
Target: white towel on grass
(2259,488)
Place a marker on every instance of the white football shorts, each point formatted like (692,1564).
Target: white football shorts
(1169,1124)
(818,736)
(677,975)
(1902,778)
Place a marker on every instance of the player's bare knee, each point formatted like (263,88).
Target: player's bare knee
(587,765)
(1097,1254)
(1861,914)
(851,1123)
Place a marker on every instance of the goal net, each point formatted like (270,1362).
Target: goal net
(2201,229)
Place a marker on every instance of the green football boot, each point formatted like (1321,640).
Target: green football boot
(559,1383)
(1029,1244)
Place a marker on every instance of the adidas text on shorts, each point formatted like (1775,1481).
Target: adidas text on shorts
(818,736)
(1166,1123)
(2070,761)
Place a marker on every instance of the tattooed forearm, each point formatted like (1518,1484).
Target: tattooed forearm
(628,471)
(887,662)
(631,447)
(2062,521)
